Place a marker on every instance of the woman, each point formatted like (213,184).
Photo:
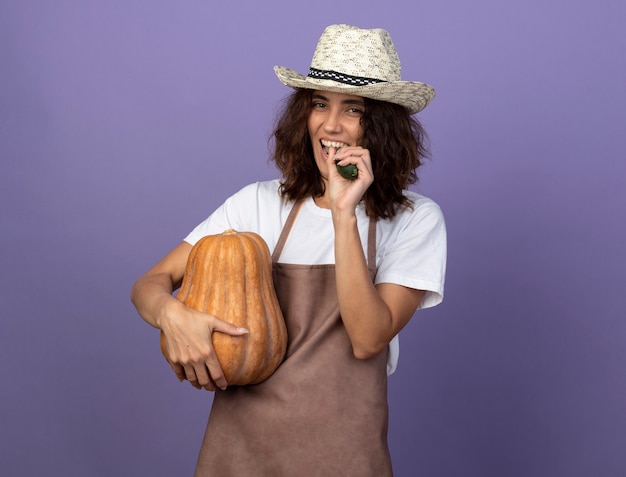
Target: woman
(352,261)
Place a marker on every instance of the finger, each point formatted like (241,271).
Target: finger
(353,157)
(346,156)
(190,374)
(360,158)
(202,375)
(208,374)
(355,152)
(179,371)
(210,387)
(342,154)
(333,160)
(216,375)
(335,155)
(229,328)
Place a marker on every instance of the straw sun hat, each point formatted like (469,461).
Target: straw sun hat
(365,63)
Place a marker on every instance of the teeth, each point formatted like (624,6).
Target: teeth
(334,144)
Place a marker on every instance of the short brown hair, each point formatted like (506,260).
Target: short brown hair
(395,139)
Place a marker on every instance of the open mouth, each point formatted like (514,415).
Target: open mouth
(326,145)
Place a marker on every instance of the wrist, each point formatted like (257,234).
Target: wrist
(167,306)
(344,218)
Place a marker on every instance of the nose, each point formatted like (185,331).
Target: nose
(332,122)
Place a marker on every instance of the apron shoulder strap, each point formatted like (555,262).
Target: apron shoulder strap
(291,218)
(371,248)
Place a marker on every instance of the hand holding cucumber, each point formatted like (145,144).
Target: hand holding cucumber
(345,191)
(349,171)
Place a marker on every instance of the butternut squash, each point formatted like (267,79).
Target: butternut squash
(229,275)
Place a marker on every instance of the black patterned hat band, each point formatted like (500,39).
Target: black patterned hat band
(341,77)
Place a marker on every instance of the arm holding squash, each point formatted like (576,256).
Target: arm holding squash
(187,332)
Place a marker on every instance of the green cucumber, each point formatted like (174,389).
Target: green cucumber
(348,172)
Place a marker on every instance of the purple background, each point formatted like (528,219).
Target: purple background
(124,123)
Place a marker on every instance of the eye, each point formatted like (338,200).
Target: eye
(318,105)
(355,111)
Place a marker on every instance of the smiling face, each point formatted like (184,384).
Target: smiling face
(334,122)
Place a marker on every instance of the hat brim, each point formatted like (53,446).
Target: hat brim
(413,95)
